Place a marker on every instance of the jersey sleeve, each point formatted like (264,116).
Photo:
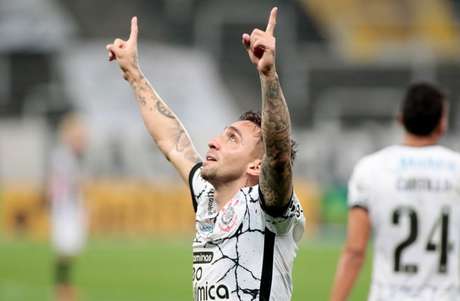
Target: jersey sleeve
(197,184)
(292,219)
(359,190)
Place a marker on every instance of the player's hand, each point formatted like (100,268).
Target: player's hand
(261,45)
(125,52)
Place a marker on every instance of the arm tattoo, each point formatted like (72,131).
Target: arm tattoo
(184,145)
(276,177)
(139,90)
(163,110)
(142,100)
(175,135)
(182,140)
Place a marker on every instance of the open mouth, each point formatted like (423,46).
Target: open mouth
(210,158)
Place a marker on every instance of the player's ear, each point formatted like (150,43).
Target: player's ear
(443,124)
(254,167)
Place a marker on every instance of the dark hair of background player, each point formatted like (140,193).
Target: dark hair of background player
(422,108)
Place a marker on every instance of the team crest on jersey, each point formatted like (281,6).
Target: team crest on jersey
(228,217)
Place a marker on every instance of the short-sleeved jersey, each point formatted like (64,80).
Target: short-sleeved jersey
(240,252)
(412,195)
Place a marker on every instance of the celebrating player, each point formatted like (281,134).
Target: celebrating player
(248,220)
(408,195)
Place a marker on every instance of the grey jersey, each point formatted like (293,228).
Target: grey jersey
(240,252)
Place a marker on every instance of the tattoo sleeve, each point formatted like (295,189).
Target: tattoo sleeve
(276,177)
(164,126)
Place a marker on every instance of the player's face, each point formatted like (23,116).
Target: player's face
(231,153)
(77,138)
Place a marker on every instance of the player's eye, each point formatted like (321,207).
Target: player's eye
(232,137)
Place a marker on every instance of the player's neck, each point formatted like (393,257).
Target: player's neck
(420,141)
(226,191)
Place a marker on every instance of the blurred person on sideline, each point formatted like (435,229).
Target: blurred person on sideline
(248,219)
(408,195)
(68,216)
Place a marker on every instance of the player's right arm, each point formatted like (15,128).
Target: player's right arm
(353,254)
(276,172)
(161,122)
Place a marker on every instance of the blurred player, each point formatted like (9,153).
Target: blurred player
(409,195)
(68,220)
(248,220)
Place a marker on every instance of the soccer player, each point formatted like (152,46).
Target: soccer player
(248,219)
(68,215)
(408,195)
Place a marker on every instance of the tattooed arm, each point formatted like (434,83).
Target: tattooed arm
(163,125)
(276,177)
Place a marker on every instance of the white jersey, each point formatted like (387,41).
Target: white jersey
(68,216)
(240,252)
(412,195)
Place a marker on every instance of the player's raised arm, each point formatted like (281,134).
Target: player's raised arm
(163,125)
(276,177)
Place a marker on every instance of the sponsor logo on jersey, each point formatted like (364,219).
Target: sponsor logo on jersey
(427,163)
(211,292)
(202,257)
(206,227)
(212,209)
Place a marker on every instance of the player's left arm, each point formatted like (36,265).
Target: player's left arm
(276,176)
(353,254)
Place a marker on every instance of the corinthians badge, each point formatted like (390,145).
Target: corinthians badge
(228,217)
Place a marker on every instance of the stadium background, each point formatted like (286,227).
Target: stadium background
(343,65)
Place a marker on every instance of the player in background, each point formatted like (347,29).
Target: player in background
(248,219)
(408,195)
(68,217)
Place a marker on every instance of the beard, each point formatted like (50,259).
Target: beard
(219,175)
(209,173)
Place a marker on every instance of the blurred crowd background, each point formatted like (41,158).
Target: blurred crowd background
(344,66)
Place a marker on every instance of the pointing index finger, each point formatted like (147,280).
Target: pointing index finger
(134,30)
(272,21)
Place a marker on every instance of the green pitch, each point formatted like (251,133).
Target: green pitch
(138,270)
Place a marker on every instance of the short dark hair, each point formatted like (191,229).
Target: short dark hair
(422,108)
(256,118)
